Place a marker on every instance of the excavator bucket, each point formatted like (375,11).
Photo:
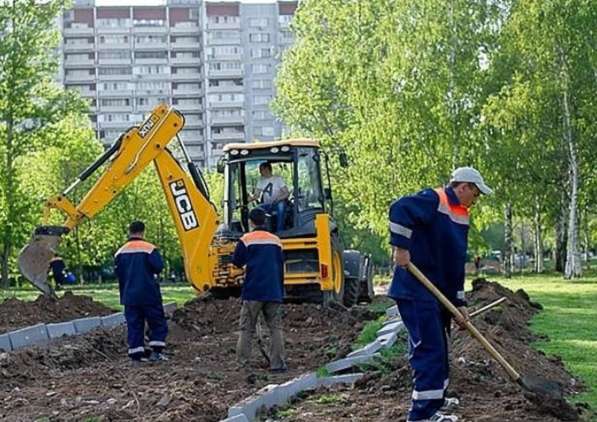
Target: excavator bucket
(34,259)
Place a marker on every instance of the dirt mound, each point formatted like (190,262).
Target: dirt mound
(476,378)
(15,313)
(330,331)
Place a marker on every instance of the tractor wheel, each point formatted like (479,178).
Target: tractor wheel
(352,289)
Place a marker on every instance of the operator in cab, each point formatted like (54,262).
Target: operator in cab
(271,193)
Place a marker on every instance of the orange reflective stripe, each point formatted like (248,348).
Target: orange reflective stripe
(133,246)
(260,237)
(457,213)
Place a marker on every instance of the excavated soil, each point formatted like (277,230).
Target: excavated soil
(477,380)
(90,376)
(15,313)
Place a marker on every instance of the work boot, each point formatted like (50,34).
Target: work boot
(157,357)
(439,417)
(450,403)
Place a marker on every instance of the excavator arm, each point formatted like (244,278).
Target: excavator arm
(187,196)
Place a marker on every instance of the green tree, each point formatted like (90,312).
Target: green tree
(396,85)
(30,102)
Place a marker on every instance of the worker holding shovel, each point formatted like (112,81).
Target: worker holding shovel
(430,230)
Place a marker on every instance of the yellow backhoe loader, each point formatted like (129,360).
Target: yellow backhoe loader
(317,268)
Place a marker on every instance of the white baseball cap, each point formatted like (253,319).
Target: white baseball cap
(470,175)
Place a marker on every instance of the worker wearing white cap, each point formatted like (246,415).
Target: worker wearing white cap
(430,229)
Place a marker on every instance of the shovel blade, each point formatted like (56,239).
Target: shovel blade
(34,259)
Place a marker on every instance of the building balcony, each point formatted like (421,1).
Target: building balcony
(227,121)
(185,60)
(79,63)
(114,77)
(185,30)
(153,77)
(187,93)
(70,48)
(69,32)
(145,108)
(114,125)
(113,30)
(124,93)
(211,26)
(153,60)
(195,108)
(161,46)
(79,78)
(116,109)
(228,136)
(114,46)
(150,92)
(194,123)
(226,104)
(186,76)
(150,30)
(113,61)
(227,73)
(86,93)
(228,89)
(223,41)
(225,57)
(187,45)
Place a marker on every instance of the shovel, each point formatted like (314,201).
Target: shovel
(543,388)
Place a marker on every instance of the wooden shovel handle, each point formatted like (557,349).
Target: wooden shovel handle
(469,325)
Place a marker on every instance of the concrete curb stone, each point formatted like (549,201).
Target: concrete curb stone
(34,335)
(57,330)
(83,325)
(5,343)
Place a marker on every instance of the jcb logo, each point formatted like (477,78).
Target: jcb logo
(148,125)
(183,205)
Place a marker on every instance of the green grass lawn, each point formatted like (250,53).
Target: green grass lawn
(108,293)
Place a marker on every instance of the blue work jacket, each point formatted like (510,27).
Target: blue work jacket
(433,226)
(261,252)
(137,263)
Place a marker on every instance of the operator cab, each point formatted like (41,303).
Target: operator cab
(296,162)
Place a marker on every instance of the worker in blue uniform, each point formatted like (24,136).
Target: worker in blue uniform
(137,264)
(260,252)
(430,230)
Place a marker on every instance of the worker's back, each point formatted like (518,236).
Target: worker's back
(261,252)
(137,262)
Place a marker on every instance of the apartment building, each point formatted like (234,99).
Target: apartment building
(213,61)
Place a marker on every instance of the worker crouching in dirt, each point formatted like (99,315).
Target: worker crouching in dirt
(430,229)
(262,290)
(137,264)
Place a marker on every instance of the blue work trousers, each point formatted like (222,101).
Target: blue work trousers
(428,330)
(135,316)
(280,209)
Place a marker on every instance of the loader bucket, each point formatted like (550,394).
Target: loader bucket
(34,259)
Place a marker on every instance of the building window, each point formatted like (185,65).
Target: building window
(115,102)
(261,68)
(257,53)
(113,39)
(115,71)
(151,54)
(150,39)
(113,23)
(223,19)
(259,37)
(114,55)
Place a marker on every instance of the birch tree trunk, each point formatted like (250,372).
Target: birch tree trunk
(573,268)
(539,268)
(561,234)
(507,259)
